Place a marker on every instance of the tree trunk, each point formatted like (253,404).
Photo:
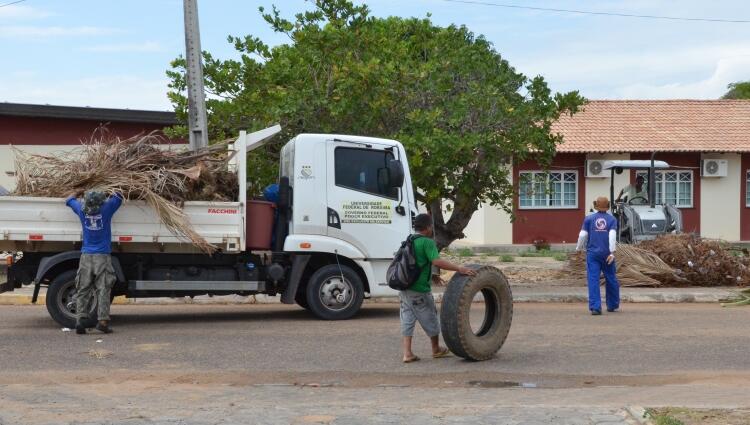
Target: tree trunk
(446,233)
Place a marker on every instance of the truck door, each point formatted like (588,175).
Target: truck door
(363,208)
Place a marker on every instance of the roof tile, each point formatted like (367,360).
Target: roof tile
(657,125)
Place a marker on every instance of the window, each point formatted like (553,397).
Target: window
(672,187)
(364,170)
(554,189)
(747,188)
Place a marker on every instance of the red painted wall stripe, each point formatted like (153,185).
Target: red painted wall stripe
(59,131)
(744,210)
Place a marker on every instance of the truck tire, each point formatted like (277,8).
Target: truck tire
(301,299)
(329,297)
(60,301)
(458,334)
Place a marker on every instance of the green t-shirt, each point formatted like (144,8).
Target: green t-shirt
(425,252)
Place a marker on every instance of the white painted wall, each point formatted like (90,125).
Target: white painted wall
(720,200)
(596,187)
(488,226)
(475,231)
(498,229)
(7,159)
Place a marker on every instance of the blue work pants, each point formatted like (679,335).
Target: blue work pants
(595,265)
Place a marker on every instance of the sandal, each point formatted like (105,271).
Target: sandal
(412,359)
(442,353)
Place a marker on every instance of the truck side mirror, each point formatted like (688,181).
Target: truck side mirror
(395,173)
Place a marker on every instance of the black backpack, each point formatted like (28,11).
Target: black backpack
(404,271)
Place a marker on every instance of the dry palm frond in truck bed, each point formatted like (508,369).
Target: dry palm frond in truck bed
(139,170)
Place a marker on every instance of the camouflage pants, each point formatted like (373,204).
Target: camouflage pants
(95,277)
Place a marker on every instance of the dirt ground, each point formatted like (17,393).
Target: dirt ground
(522,271)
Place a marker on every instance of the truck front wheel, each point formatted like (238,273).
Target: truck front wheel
(335,292)
(61,301)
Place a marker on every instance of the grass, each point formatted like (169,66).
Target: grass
(561,256)
(465,252)
(558,255)
(662,417)
(507,258)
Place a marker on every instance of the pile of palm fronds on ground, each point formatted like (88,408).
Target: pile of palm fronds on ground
(139,170)
(674,260)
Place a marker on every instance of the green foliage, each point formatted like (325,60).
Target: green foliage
(460,109)
(738,90)
(507,258)
(465,252)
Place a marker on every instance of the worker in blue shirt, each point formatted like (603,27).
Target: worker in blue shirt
(599,237)
(95,271)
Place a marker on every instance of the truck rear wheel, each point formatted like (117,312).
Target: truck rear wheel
(61,304)
(335,292)
(455,313)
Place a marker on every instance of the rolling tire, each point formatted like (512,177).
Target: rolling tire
(329,297)
(455,310)
(60,301)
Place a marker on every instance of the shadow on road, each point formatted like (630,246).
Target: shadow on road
(144,315)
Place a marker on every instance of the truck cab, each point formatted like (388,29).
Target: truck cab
(352,205)
(345,205)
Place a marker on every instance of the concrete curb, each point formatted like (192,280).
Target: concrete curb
(638,414)
(520,295)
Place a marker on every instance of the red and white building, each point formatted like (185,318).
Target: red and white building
(47,129)
(707,143)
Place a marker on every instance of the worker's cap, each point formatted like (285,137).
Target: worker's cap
(93,201)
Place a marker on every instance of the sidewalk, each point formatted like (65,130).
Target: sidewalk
(521,294)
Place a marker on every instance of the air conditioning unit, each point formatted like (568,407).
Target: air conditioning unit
(714,167)
(595,168)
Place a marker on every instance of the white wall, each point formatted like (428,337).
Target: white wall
(720,200)
(475,230)
(488,226)
(7,159)
(596,187)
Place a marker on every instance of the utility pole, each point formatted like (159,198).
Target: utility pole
(197,123)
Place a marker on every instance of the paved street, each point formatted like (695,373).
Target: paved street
(275,364)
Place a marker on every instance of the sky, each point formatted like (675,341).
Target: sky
(106,53)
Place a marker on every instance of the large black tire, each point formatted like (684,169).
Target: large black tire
(60,301)
(331,298)
(455,310)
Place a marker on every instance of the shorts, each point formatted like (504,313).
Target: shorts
(418,307)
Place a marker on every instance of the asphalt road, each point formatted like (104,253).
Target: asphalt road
(550,344)
(192,364)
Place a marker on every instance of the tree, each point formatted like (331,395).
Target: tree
(738,90)
(461,110)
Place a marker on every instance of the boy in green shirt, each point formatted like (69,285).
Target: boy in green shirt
(417,302)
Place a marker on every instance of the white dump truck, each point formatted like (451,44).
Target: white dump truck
(345,204)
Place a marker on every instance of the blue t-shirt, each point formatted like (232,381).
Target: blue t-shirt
(598,226)
(97,228)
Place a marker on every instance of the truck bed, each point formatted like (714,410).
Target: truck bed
(48,225)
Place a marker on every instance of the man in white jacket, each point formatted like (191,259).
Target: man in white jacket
(599,237)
